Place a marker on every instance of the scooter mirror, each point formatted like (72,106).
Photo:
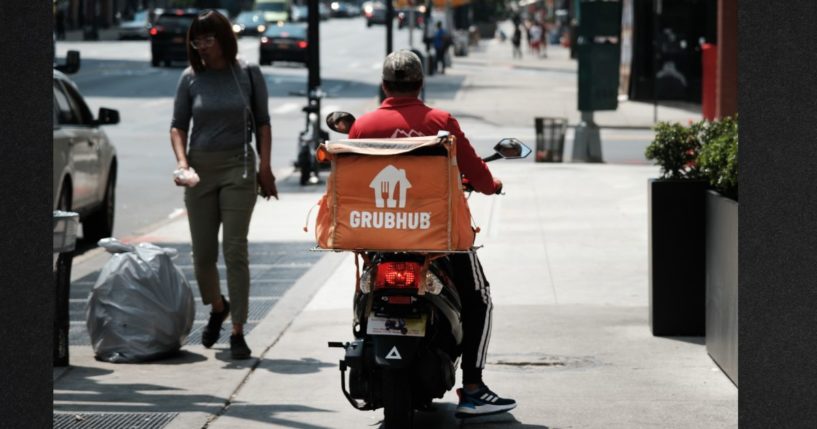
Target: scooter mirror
(511,148)
(340,122)
(71,63)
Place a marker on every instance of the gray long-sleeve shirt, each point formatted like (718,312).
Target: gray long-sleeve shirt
(211,98)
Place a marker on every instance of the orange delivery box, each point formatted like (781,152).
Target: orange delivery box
(401,194)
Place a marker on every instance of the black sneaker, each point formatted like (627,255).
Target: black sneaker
(483,402)
(238,347)
(212,331)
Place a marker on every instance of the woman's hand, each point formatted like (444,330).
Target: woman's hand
(267,182)
(177,178)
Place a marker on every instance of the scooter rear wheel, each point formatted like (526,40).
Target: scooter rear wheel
(305,166)
(398,411)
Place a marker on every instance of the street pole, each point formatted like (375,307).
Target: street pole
(657,6)
(411,24)
(313,50)
(389,36)
(389,26)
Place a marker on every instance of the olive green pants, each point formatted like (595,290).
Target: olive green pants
(223,198)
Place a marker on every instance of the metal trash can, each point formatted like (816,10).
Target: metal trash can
(65,240)
(550,139)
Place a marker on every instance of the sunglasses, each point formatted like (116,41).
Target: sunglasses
(203,42)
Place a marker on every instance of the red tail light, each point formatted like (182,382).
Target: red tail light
(401,275)
(154,31)
(302,44)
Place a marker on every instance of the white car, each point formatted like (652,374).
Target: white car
(84,160)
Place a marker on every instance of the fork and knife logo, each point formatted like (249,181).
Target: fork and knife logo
(386,185)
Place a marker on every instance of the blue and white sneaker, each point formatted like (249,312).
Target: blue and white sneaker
(483,402)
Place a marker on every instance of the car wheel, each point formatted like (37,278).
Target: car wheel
(167,63)
(100,224)
(154,62)
(368,23)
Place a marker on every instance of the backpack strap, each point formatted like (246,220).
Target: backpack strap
(251,104)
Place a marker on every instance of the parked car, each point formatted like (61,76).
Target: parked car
(137,28)
(283,42)
(274,10)
(323,11)
(375,13)
(402,16)
(84,160)
(168,36)
(250,23)
(299,13)
(342,9)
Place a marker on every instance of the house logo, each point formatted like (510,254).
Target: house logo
(386,186)
(390,187)
(410,133)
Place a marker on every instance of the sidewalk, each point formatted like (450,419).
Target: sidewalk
(566,254)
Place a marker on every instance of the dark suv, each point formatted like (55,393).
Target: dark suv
(168,36)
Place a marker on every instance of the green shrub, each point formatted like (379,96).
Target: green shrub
(718,157)
(675,150)
(705,149)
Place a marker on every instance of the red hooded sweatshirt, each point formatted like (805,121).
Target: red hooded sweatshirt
(409,117)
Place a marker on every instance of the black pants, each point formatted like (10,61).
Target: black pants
(475,295)
(439,63)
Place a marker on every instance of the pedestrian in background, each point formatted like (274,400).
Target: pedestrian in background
(223,97)
(535,36)
(59,25)
(516,41)
(544,39)
(441,42)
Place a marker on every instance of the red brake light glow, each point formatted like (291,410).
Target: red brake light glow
(154,31)
(302,44)
(397,275)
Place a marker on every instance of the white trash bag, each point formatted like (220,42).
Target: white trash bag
(141,307)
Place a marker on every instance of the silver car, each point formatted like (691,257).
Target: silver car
(137,28)
(84,160)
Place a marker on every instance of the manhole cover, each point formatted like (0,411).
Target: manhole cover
(112,420)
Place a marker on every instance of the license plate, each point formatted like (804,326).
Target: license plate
(283,46)
(396,326)
(178,40)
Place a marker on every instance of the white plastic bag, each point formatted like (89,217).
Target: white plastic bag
(141,307)
(187,176)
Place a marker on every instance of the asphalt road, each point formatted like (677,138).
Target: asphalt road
(118,75)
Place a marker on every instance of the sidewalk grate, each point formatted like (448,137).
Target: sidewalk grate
(112,420)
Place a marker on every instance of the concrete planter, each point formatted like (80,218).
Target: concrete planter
(722,282)
(677,279)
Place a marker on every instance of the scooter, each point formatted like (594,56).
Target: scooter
(310,139)
(407,329)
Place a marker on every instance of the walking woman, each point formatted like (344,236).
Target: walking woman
(224,98)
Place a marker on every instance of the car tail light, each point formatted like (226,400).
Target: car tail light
(302,44)
(154,31)
(264,40)
(400,275)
